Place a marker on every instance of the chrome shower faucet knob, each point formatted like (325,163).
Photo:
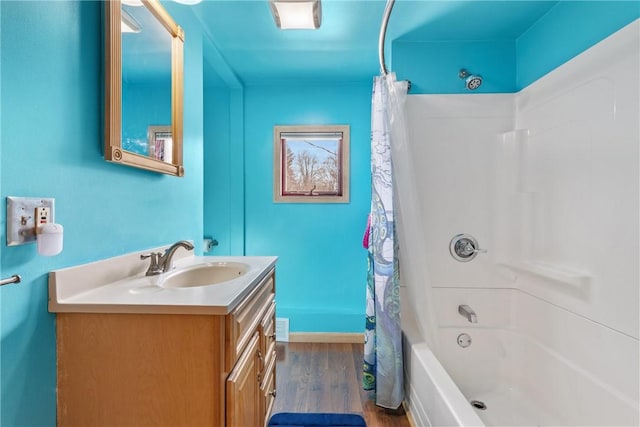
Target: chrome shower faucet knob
(464,247)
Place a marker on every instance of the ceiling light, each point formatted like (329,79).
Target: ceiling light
(296,14)
(189,2)
(128,24)
(134,3)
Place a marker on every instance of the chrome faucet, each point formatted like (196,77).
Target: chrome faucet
(468,313)
(161,263)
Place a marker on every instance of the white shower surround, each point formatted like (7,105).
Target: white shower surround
(547,180)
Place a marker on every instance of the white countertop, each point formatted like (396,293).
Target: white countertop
(108,287)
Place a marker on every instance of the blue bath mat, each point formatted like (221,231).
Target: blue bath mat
(290,419)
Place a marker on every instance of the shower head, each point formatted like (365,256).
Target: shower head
(472,81)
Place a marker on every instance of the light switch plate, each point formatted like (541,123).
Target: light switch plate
(21,223)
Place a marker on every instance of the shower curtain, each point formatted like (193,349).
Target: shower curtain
(383,370)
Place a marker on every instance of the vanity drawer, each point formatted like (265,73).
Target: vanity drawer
(244,320)
(268,330)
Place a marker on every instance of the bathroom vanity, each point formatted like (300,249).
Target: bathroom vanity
(137,352)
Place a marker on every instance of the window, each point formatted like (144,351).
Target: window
(311,164)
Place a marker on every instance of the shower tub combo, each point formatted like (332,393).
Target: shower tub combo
(543,329)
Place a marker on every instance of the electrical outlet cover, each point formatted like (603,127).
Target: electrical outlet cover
(21,222)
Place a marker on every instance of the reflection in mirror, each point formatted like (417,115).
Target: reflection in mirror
(160,143)
(146,78)
(144,87)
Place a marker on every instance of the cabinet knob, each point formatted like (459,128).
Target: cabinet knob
(273,336)
(273,393)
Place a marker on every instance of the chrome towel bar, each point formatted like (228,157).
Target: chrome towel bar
(13,279)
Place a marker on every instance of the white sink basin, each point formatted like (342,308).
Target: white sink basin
(204,274)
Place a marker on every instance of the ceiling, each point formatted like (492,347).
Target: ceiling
(345,48)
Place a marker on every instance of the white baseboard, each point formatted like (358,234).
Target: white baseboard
(327,337)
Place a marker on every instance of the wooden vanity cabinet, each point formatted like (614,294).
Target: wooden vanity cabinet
(169,369)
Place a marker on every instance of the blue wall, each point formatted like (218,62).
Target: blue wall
(321,271)
(224,195)
(217,172)
(51,145)
(566,30)
(322,267)
(432,67)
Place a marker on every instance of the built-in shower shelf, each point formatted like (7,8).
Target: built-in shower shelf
(553,272)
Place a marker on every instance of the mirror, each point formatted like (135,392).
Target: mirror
(144,86)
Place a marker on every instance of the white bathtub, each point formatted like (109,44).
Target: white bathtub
(431,396)
(525,372)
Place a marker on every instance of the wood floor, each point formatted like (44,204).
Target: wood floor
(318,377)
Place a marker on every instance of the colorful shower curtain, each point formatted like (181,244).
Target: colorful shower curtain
(383,371)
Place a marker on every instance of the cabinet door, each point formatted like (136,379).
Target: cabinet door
(268,388)
(243,389)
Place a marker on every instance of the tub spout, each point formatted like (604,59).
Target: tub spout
(468,313)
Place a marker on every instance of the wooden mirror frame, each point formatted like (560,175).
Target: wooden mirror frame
(113,151)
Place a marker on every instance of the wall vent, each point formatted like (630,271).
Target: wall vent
(282,329)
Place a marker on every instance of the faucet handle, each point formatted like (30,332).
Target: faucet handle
(464,247)
(471,249)
(153,255)
(154,266)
